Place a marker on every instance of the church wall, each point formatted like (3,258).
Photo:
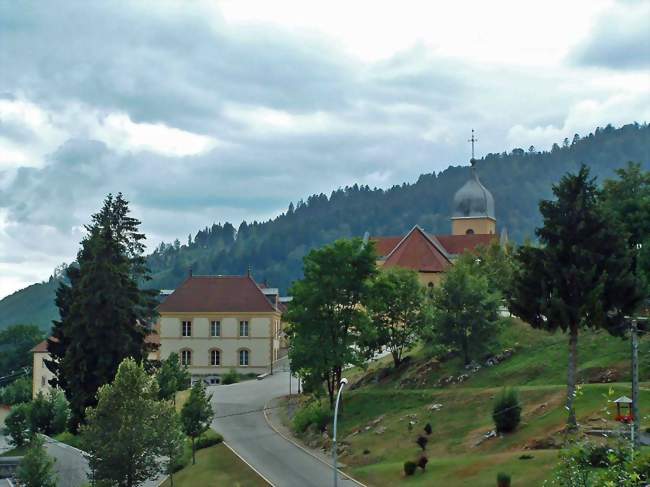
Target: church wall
(430,277)
(459,226)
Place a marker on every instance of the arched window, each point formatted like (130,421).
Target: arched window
(215,357)
(244,356)
(469,232)
(186,357)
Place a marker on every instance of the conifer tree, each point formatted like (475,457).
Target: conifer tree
(581,276)
(103,311)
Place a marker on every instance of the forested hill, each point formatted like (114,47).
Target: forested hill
(274,249)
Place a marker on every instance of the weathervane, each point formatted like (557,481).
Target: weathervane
(472,140)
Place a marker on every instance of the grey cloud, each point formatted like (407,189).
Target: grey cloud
(621,39)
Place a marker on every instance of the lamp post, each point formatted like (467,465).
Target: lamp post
(336,415)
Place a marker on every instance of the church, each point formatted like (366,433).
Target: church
(473,223)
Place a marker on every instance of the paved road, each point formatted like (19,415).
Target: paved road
(280,461)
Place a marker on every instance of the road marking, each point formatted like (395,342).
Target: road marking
(251,467)
(306,450)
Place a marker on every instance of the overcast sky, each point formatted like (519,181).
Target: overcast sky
(203,112)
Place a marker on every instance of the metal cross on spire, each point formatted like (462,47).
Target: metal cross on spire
(472,140)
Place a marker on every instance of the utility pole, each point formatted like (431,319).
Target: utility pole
(636,420)
(336,417)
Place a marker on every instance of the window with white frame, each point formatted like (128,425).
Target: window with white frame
(186,328)
(243,357)
(243,328)
(186,357)
(215,357)
(215,328)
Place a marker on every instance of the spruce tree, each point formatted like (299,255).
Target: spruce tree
(104,313)
(581,275)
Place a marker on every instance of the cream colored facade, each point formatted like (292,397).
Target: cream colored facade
(41,375)
(262,343)
(477,225)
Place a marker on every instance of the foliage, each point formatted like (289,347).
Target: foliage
(230,377)
(409,468)
(314,413)
(103,311)
(15,344)
(172,377)
(17,424)
(208,439)
(506,412)
(627,199)
(36,468)
(494,261)
(18,391)
(41,414)
(465,311)
(126,432)
(171,441)
(396,305)
(326,315)
(503,480)
(60,411)
(196,414)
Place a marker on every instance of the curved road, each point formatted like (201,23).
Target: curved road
(247,432)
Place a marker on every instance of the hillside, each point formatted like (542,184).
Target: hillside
(374,424)
(274,249)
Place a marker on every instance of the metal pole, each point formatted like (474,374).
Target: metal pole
(289,380)
(636,420)
(336,414)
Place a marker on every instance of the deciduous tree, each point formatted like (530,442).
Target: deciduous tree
(196,414)
(581,275)
(326,314)
(172,377)
(127,434)
(36,467)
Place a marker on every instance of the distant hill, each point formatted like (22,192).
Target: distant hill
(274,249)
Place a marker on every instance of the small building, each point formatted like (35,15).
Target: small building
(41,375)
(219,323)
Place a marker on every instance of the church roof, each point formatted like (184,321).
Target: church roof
(473,200)
(205,294)
(452,244)
(420,252)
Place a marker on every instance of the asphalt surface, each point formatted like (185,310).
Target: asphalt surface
(239,418)
(70,466)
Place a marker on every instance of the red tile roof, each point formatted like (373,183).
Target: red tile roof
(457,244)
(384,245)
(419,252)
(206,294)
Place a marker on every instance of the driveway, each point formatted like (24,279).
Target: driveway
(239,417)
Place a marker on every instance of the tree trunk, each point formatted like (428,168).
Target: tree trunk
(193,453)
(571,378)
(396,358)
(330,391)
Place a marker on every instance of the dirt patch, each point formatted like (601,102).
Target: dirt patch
(602,375)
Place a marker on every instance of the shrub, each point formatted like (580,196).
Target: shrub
(313,413)
(409,468)
(40,414)
(526,456)
(428,429)
(17,392)
(422,462)
(507,411)
(597,455)
(231,377)
(208,439)
(422,442)
(17,424)
(503,480)
(60,412)
(69,439)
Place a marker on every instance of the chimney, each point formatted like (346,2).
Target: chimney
(250,270)
(190,272)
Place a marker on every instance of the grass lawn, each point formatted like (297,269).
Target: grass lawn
(457,453)
(15,452)
(217,466)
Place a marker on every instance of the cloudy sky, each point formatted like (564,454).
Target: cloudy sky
(210,111)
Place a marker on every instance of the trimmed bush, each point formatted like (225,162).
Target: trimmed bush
(209,438)
(409,468)
(503,480)
(507,411)
(231,377)
(597,455)
(422,462)
(313,413)
(427,429)
(422,442)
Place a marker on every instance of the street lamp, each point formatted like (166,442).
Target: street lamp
(344,381)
